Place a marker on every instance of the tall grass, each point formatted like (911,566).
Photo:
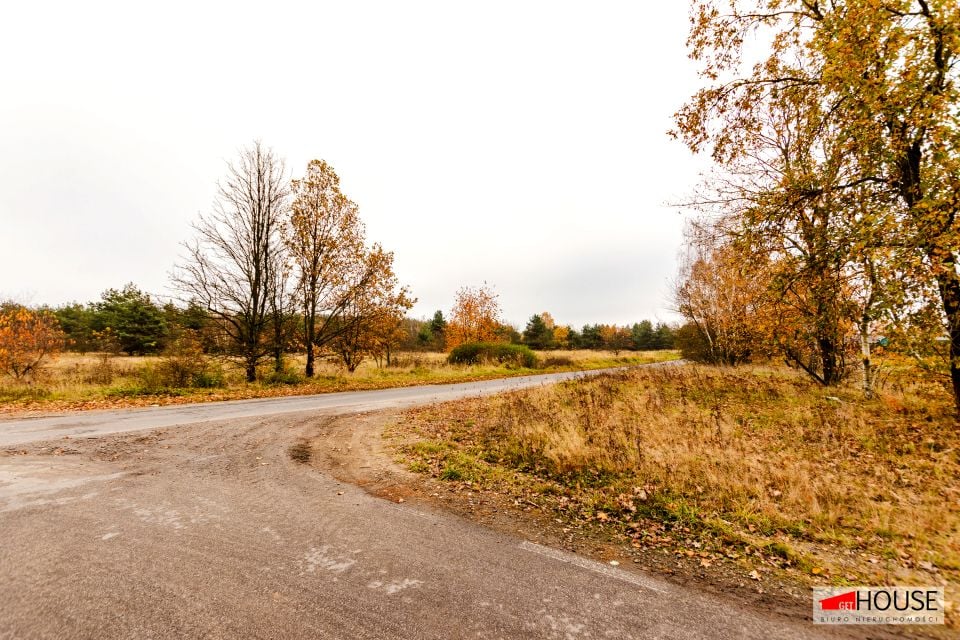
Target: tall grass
(80,381)
(758,450)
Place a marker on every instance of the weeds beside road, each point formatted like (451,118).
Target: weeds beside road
(754,465)
(98,381)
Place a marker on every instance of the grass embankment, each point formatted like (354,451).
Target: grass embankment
(756,464)
(96,381)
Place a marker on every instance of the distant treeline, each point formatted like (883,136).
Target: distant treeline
(130,321)
(542,333)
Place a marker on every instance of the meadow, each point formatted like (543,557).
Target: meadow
(91,381)
(756,463)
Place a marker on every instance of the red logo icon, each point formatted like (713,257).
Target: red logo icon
(843,602)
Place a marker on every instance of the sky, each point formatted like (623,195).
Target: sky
(519,144)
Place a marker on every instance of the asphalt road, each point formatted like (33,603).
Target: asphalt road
(14,431)
(201,526)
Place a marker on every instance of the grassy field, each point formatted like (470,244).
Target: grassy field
(755,463)
(91,381)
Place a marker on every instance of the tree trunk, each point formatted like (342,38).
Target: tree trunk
(949,286)
(251,371)
(310,357)
(867,364)
(309,330)
(828,358)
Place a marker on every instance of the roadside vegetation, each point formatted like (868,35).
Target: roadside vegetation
(758,465)
(278,293)
(93,381)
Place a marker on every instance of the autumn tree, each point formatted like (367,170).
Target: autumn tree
(281,308)
(231,265)
(615,338)
(718,296)
(326,239)
(374,310)
(854,102)
(27,338)
(475,317)
(561,337)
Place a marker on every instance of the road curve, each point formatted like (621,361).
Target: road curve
(202,526)
(14,431)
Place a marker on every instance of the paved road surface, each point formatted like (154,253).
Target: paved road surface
(210,530)
(15,431)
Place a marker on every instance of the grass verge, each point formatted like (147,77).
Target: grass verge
(754,464)
(95,382)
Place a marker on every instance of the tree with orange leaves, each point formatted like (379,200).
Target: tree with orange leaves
(474,318)
(27,338)
(846,129)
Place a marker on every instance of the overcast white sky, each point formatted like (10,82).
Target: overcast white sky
(518,143)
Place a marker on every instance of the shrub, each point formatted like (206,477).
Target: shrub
(183,366)
(102,371)
(183,361)
(211,378)
(27,338)
(693,345)
(491,352)
(406,362)
(557,361)
(283,377)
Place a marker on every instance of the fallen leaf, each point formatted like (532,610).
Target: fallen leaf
(754,575)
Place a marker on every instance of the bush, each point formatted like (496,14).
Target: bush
(693,345)
(102,372)
(406,362)
(491,352)
(557,361)
(212,378)
(183,366)
(283,377)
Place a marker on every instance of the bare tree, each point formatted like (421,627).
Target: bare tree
(230,266)
(281,309)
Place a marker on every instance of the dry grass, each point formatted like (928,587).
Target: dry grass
(76,381)
(833,486)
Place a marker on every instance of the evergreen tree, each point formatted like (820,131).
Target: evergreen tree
(591,337)
(138,323)
(437,328)
(537,335)
(663,336)
(642,336)
(76,321)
